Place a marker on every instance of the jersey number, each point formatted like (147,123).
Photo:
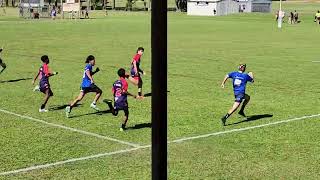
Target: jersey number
(237,82)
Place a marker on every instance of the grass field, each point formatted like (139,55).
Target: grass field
(201,51)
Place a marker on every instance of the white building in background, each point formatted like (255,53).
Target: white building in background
(225,7)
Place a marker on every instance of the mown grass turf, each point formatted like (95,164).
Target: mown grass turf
(286,151)
(201,51)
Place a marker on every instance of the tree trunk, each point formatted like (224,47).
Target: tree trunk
(13,2)
(7,3)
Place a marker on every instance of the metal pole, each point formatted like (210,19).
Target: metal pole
(159,89)
(280,13)
(280,5)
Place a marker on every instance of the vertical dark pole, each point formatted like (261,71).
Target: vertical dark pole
(159,88)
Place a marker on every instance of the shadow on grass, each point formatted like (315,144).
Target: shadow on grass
(253,118)
(140,126)
(15,80)
(60,107)
(88,114)
(150,94)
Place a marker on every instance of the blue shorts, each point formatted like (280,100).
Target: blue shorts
(239,97)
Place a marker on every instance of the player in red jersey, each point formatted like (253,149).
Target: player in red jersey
(136,72)
(120,93)
(44,81)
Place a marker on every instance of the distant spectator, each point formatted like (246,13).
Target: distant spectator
(291,17)
(317,17)
(53,13)
(296,16)
(86,13)
(21,11)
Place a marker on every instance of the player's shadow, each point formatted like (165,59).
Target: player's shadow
(96,113)
(15,80)
(60,107)
(253,118)
(140,126)
(150,94)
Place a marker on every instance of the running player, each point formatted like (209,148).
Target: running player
(44,81)
(135,71)
(2,64)
(239,80)
(87,85)
(317,17)
(120,93)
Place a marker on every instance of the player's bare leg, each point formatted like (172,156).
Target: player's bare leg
(245,102)
(78,99)
(125,120)
(46,99)
(140,83)
(231,111)
(4,66)
(133,81)
(111,108)
(96,98)
(137,82)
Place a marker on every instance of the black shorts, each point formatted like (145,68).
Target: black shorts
(1,61)
(125,109)
(92,88)
(44,89)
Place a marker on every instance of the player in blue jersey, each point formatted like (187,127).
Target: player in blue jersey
(44,84)
(239,81)
(87,85)
(120,93)
(2,64)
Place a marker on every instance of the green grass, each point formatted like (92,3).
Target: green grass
(201,51)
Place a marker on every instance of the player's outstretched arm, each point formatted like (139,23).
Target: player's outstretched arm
(36,77)
(224,80)
(251,75)
(97,70)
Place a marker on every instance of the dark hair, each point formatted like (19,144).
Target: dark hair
(44,58)
(122,72)
(89,58)
(242,67)
(140,49)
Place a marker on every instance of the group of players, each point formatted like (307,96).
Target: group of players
(294,17)
(120,87)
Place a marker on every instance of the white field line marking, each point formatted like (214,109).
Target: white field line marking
(71,129)
(148,146)
(316,61)
(243,129)
(72,160)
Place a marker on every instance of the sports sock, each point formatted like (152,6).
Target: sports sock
(227,116)
(43,106)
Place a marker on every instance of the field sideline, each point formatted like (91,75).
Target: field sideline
(279,139)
